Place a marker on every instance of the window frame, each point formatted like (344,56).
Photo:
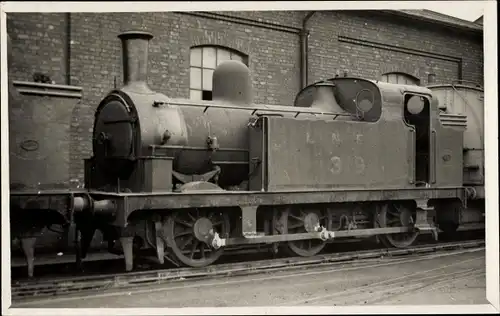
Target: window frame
(408,77)
(198,92)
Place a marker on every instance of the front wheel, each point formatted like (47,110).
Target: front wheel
(186,233)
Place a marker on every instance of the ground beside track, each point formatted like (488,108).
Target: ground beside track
(455,277)
(116,265)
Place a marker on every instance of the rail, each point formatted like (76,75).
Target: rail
(26,290)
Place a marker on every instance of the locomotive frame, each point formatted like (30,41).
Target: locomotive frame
(122,204)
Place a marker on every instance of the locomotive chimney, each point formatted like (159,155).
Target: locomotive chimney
(135,46)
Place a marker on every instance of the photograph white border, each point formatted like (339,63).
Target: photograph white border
(491,151)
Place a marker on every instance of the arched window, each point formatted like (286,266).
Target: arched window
(204,59)
(401,78)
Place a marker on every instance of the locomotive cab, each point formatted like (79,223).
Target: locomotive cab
(435,145)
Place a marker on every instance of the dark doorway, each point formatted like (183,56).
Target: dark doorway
(417,114)
(206,95)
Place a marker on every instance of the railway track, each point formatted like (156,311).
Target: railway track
(23,291)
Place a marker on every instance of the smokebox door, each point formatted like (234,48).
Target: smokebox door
(113,132)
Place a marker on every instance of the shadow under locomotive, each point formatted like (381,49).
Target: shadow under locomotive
(352,158)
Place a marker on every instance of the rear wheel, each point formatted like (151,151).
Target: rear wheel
(396,215)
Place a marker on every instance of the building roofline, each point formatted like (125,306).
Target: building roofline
(419,15)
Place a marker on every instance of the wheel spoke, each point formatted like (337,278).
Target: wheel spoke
(296,217)
(392,212)
(193,219)
(202,250)
(184,233)
(298,225)
(186,242)
(180,221)
(392,221)
(193,249)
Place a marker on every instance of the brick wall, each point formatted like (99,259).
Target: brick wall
(37,45)
(270,39)
(423,49)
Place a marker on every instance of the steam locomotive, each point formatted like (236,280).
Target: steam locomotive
(352,158)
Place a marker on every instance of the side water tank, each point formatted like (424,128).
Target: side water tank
(466,100)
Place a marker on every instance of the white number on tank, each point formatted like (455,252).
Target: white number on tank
(359,164)
(336,165)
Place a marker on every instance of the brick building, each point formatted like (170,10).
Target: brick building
(284,50)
